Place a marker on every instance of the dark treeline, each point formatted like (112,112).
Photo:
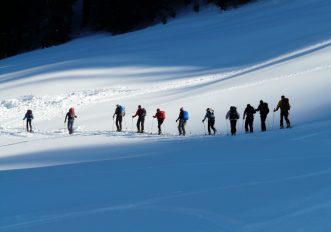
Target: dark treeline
(27,25)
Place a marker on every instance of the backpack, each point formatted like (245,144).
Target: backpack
(122,110)
(286,104)
(143,112)
(265,108)
(185,115)
(162,115)
(29,112)
(233,113)
(72,112)
(211,114)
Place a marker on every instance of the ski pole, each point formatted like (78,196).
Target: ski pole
(126,128)
(204,126)
(268,123)
(227,128)
(112,128)
(188,128)
(132,125)
(273,120)
(23,125)
(152,126)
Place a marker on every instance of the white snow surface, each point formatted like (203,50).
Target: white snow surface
(101,180)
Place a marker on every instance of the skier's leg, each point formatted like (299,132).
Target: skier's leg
(246,125)
(117,123)
(142,125)
(30,124)
(212,124)
(138,124)
(251,125)
(209,127)
(281,119)
(120,119)
(286,119)
(183,127)
(263,126)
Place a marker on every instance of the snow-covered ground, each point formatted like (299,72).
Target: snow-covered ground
(100,180)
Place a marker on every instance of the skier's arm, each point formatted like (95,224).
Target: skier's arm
(24,117)
(65,119)
(245,112)
(227,115)
(203,120)
(278,106)
(180,116)
(135,114)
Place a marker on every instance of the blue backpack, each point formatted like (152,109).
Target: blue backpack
(185,115)
(122,110)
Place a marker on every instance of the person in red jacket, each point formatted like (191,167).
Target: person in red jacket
(141,113)
(160,116)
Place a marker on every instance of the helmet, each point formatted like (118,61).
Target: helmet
(181,108)
(157,109)
(139,106)
(207,109)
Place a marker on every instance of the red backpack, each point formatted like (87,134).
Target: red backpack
(72,112)
(162,115)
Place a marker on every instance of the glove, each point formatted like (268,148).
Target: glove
(203,121)
(132,116)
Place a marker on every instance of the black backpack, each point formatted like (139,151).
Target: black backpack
(143,112)
(265,108)
(233,113)
(29,113)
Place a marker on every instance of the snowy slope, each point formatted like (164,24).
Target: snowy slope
(99,180)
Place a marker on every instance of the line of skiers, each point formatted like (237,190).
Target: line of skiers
(232,115)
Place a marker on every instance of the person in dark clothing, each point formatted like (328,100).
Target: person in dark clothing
(264,111)
(233,116)
(211,120)
(182,118)
(249,114)
(120,113)
(284,107)
(160,116)
(28,116)
(71,118)
(141,113)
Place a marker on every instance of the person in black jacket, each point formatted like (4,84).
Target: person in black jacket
(141,113)
(119,112)
(284,107)
(71,118)
(264,111)
(233,116)
(182,122)
(28,116)
(211,120)
(249,114)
